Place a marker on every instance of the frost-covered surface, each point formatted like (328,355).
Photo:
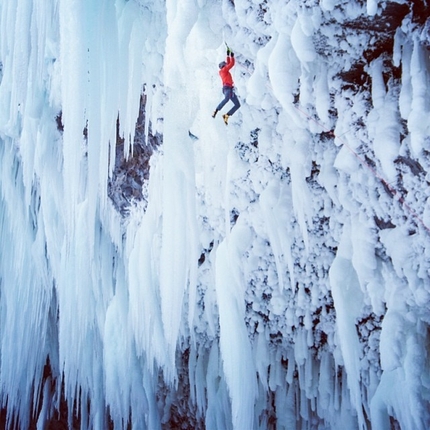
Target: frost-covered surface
(269,274)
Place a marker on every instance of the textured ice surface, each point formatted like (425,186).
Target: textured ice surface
(269,274)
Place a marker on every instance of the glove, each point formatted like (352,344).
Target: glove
(228,52)
(231,54)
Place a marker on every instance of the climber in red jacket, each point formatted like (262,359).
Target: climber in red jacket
(227,87)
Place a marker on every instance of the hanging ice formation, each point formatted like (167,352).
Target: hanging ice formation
(159,270)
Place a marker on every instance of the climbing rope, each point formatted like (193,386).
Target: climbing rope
(393,192)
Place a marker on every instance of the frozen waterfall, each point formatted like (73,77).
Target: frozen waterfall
(161,270)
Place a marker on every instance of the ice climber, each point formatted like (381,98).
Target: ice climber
(227,87)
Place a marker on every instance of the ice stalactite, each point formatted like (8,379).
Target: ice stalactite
(236,352)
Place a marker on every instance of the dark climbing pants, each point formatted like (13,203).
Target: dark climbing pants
(229,95)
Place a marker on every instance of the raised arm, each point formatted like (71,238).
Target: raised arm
(230,62)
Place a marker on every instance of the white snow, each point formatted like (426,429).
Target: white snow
(279,272)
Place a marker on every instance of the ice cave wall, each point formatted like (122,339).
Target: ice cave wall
(271,274)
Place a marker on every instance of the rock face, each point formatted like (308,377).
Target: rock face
(128,183)
(159,270)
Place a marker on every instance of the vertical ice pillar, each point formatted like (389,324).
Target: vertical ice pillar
(348,300)
(84,281)
(236,352)
(178,258)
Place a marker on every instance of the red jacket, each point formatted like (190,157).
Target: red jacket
(227,80)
